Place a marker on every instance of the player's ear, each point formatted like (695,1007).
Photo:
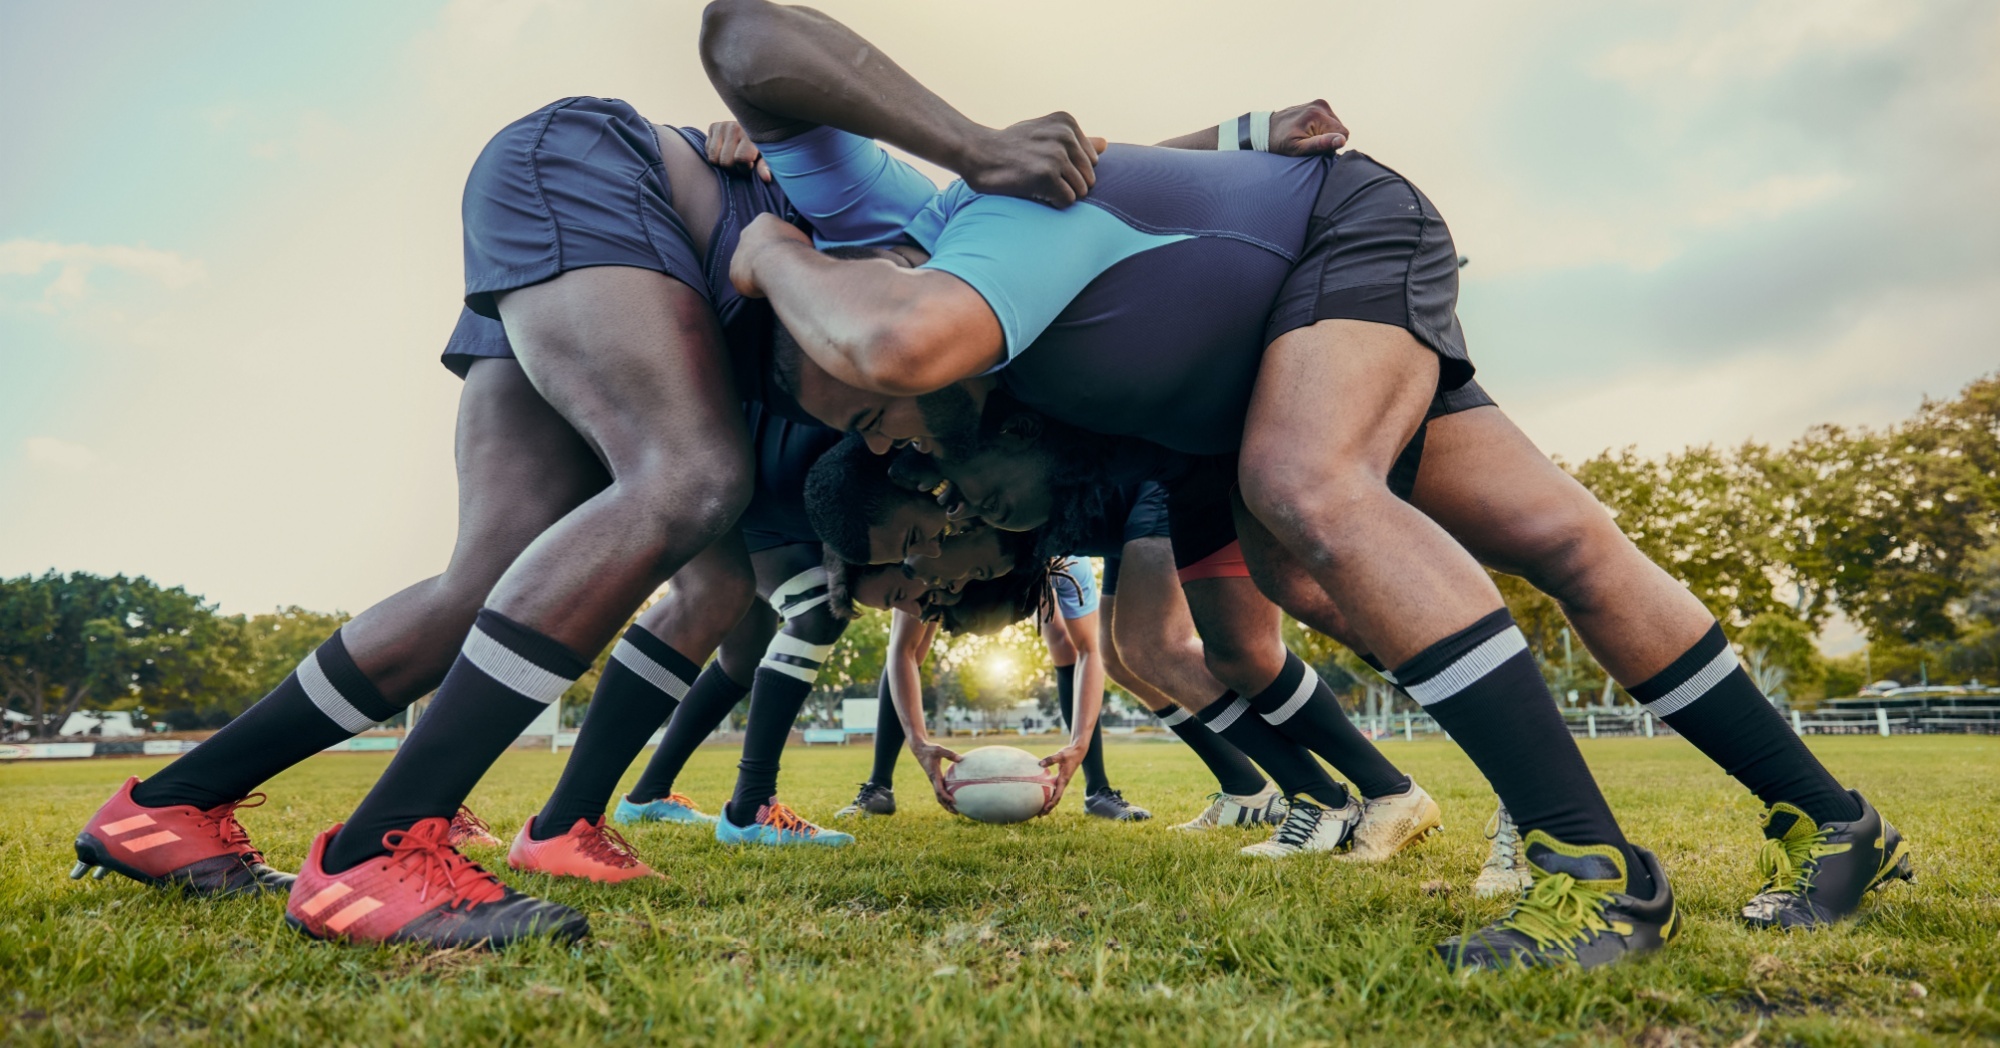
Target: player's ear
(1023,428)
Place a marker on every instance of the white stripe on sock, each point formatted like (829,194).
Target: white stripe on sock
(1172,715)
(809,579)
(329,699)
(513,672)
(1473,665)
(649,669)
(1229,715)
(1298,700)
(1696,686)
(786,644)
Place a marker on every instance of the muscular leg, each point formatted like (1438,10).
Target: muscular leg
(1158,631)
(520,469)
(1318,479)
(1486,483)
(788,671)
(647,676)
(634,362)
(717,691)
(1234,773)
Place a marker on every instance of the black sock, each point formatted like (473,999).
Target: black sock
(1289,764)
(1233,771)
(1301,706)
(1094,778)
(714,694)
(504,677)
(889,738)
(1706,696)
(643,681)
(1482,686)
(1373,663)
(325,700)
(784,679)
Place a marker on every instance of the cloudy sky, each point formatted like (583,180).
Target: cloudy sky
(229,232)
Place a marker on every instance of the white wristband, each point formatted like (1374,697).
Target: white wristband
(1250,130)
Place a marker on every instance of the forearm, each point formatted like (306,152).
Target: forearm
(876,326)
(908,643)
(1202,139)
(1089,696)
(782,70)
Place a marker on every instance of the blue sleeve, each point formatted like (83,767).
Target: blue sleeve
(1027,260)
(1076,587)
(849,188)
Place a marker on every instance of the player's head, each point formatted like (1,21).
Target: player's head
(975,554)
(852,587)
(863,515)
(1017,472)
(992,605)
(885,422)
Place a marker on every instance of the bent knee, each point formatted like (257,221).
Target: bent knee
(1310,499)
(816,626)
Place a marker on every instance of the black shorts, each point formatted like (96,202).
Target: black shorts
(576,183)
(1201,503)
(784,451)
(1147,519)
(1377,250)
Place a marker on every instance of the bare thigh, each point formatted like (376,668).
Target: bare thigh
(1487,484)
(634,361)
(521,468)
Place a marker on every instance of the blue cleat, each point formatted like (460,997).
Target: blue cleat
(671,808)
(777,824)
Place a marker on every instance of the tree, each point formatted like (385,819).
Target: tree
(113,641)
(1779,655)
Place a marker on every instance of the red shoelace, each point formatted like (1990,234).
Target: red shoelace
(423,851)
(610,847)
(221,821)
(466,826)
(779,817)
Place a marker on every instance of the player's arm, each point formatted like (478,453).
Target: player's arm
(785,70)
(1302,130)
(909,642)
(1087,703)
(870,323)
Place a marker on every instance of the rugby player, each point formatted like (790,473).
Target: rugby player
(1298,318)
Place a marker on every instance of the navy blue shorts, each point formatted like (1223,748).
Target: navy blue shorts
(1200,503)
(1377,250)
(576,183)
(784,451)
(1147,519)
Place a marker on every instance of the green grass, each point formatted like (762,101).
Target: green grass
(1066,930)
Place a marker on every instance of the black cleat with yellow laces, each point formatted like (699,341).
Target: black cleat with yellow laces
(1817,874)
(1577,912)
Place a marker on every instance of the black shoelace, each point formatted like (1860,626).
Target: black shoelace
(1300,824)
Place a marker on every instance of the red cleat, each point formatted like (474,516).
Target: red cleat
(205,852)
(422,891)
(590,849)
(467,828)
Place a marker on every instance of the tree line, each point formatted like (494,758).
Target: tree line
(1895,530)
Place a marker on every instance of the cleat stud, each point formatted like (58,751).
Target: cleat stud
(99,873)
(76,872)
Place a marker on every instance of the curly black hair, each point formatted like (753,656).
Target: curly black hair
(991,605)
(847,492)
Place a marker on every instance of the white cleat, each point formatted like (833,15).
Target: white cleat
(1506,870)
(1229,809)
(1393,823)
(1308,827)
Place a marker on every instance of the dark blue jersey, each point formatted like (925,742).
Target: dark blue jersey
(1141,311)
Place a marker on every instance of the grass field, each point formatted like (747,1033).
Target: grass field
(1065,930)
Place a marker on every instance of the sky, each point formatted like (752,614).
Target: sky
(229,233)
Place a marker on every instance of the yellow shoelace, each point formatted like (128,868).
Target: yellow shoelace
(1559,911)
(1789,862)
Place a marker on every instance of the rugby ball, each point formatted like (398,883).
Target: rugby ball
(999,784)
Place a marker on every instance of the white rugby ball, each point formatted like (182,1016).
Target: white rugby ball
(999,784)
